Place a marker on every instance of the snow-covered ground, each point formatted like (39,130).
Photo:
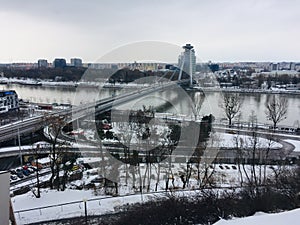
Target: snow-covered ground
(228,141)
(95,205)
(295,143)
(100,205)
(226,175)
(260,218)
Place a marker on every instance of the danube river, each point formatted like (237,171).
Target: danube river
(170,100)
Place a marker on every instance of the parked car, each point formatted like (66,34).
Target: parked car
(13,177)
(34,168)
(106,126)
(25,172)
(25,167)
(19,173)
(31,170)
(13,172)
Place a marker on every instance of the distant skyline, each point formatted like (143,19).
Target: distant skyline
(220,31)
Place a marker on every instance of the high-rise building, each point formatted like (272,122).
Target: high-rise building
(42,63)
(292,66)
(59,63)
(274,66)
(76,62)
(187,61)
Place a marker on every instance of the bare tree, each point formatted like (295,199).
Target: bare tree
(125,139)
(253,150)
(55,125)
(231,104)
(239,146)
(37,151)
(276,109)
(171,141)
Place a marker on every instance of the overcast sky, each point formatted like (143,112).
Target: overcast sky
(220,30)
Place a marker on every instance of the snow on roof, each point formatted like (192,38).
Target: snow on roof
(44,160)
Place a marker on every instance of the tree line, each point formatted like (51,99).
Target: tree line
(124,75)
(64,74)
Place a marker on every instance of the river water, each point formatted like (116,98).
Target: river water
(172,100)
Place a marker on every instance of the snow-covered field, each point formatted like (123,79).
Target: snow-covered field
(260,218)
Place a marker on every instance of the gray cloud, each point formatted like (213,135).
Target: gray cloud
(220,30)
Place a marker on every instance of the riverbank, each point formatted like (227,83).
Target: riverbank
(248,90)
(134,85)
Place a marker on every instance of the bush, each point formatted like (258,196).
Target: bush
(207,208)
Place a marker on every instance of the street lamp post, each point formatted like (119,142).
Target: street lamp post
(20,151)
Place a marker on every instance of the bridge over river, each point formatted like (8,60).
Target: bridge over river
(33,124)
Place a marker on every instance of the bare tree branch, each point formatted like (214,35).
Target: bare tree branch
(276,109)
(231,104)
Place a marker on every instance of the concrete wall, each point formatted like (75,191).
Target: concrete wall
(4,197)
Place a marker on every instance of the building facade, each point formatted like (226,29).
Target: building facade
(76,62)
(8,101)
(59,63)
(42,63)
(187,61)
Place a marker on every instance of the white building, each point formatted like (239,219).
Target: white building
(187,61)
(8,101)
